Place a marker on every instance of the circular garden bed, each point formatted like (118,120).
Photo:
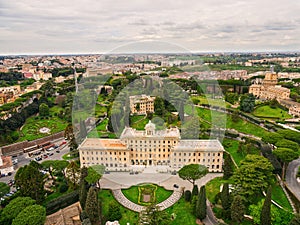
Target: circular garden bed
(146,194)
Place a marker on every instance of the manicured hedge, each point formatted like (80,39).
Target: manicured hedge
(62,202)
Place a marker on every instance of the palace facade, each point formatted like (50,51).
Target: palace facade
(141,104)
(150,147)
(269,89)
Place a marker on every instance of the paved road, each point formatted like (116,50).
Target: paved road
(24,160)
(290,177)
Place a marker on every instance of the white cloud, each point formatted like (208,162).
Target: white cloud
(28,26)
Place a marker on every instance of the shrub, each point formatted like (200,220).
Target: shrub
(63,188)
(187,195)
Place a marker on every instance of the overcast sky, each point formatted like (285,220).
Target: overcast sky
(97,26)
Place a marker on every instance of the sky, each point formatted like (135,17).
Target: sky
(103,26)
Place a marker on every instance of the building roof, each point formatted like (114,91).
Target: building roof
(97,143)
(69,215)
(129,132)
(199,145)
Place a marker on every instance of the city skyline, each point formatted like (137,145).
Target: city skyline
(75,27)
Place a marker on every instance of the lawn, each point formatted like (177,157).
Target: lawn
(134,194)
(182,211)
(211,101)
(267,112)
(128,216)
(220,119)
(213,188)
(279,197)
(231,146)
(30,130)
(140,125)
(102,126)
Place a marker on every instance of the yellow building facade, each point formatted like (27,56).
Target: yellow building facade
(150,147)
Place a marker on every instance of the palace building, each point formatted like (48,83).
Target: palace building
(141,104)
(150,147)
(269,89)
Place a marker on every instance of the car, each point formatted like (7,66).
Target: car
(175,186)
(57,151)
(173,173)
(63,143)
(9,173)
(50,149)
(50,153)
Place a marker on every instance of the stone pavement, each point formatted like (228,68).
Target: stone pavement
(120,180)
(119,196)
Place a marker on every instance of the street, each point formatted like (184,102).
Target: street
(290,177)
(24,160)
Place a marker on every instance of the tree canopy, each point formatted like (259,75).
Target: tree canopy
(13,208)
(192,172)
(253,175)
(31,215)
(31,182)
(4,189)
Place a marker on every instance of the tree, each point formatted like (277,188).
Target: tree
(114,212)
(237,209)
(225,197)
(265,216)
(159,106)
(4,189)
(14,207)
(285,155)
(44,110)
(195,190)
(93,177)
(30,182)
(55,166)
(295,220)
(31,215)
(201,204)
(92,207)
(247,103)
(271,137)
(253,175)
(192,172)
(187,195)
(284,143)
(228,167)
(155,216)
(73,174)
(83,186)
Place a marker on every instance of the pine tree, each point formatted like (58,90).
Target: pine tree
(228,167)
(83,190)
(195,190)
(237,209)
(83,131)
(265,216)
(201,204)
(225,199)
(92,206)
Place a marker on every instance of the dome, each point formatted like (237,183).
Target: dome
(150,126)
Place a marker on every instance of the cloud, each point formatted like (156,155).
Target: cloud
(33,25)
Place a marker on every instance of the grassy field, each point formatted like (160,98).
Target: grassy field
(267,112)
(211,101)
(128,216)
(279,197)
(31,129)
(182,211)
(132,194)
(240,125)
(231,146)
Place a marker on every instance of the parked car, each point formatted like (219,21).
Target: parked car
(57,151)
(50,153)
